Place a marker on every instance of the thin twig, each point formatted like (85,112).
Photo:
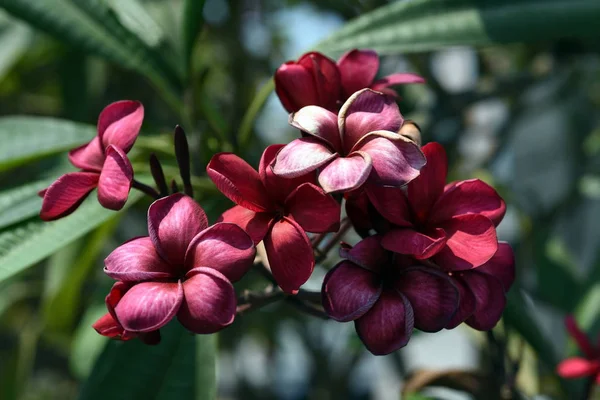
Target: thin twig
(142,187)
(249,301)
(345,225)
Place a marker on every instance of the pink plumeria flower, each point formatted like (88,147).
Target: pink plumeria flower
(359,145)
(103,163)
(184,269)
(318,80)
(276,210)
(580,367)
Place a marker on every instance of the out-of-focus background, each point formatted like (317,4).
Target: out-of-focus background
(521,115)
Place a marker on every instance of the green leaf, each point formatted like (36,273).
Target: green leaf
(247,124)
(87,343)
(25,139)
(424,25)
(193,21)
(92,26)
(15,39)
(29,243)
(21,203)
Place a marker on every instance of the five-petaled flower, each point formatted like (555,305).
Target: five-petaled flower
(579,367)
(277,210)
(361,144)
(386,295)
(316,80)
(103,163)
(183,268)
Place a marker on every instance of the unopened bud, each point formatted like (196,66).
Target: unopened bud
(411,131)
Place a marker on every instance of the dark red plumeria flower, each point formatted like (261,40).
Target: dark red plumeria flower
(184,269)
(317,80)
(386,295)
(580,367)
(277,210)
(361,144)
(103,163)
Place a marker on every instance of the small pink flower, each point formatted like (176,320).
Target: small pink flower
(103,162)
(580,367)
(184,269)
(277,210)
(359,145)
(386,295)
(317,80)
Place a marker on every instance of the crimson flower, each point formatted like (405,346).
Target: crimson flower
(579,367)
(317,80)
(183,268)
(277,210)
(103,163)
(359,145)
(386,295)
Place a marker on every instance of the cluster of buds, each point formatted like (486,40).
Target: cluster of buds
(429,258)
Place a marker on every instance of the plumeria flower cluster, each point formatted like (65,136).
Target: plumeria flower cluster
(429,258)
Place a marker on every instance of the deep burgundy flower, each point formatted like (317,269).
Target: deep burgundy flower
(359,145)
(277,210)
(317,80)
(453,224)
(103,163)
(579,367)
(184,269)
(386,295)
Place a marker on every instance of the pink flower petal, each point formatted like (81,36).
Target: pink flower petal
(237,180)
(302,156)
(396,79)
(224,247)
(326,77)
(577,367)
(432,295)
(66,194)
(148,306)
(580,337)
(364,112)
(173,222)
(471,242)
(115,179)
(358,69)
(395,162)
(137,260)
(425,190)
(346,173)
(108,326)
(490,299)
(209,303)
(89,157)
(466,307)
(419,245)
(349,291)
(314,210)
(469,197)
(387,326)
(320,123)
(255,224)
(290,254)
(391,203)
(367,254)
(119,124)
(501,265)
(295,86)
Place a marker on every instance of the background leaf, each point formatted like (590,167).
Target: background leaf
(191,27)
(21,203)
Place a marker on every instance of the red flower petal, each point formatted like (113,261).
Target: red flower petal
(148,306)
(89,157)
(417,244)
(432,295)
(320,123)
(302,156)
(349,291)
(119,124)
(359,211)
(466,307)
(237,180)
(580,338)
(468,197)
(136,260)
(501,265)
(364,112)
(391,203)
(490,299)
(173,222)
(224,247)
(108,326)
(295,86)
(209,303)
(115,179)
(577,367)
(396,79)
(314,210)
(346,173)
(387,326)
(326,77)
(358,69)
(66,194)
(471,242)
(425,190)
(290,254)
(367,254)
(255,224)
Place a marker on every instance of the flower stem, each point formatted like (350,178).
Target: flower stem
(249,301)
(322,254)
(142,187)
